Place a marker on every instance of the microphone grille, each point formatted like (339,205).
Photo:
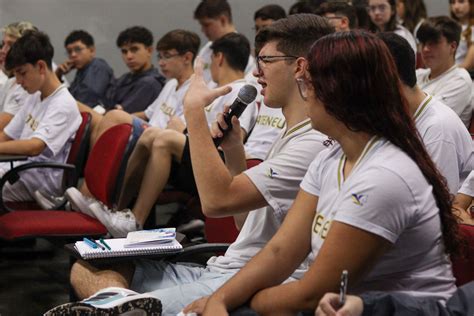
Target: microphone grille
(247,93)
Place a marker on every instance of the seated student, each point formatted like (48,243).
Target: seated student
(268,189)
(268,14)
(137,89)
(445,137)
(343,217)
(439,39)
(12,95)
(342,15)
(47,121)
(215,18)
(163,154)
(176,50)
(93,74)
(383,18)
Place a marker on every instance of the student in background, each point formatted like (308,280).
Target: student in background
(342,15)
(46,123)
(162,156)
(443,133)
(268,14)
(215,18)
(93,74)
(12,95)
(411,14)
(383,18)
(463,12)
(137,89)
(343,217)
(439,39)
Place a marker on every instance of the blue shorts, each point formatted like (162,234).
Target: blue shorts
(139,126)
(176,285)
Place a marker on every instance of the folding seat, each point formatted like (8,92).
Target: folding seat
(76,158)
(104,172)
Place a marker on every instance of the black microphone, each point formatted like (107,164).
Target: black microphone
(247,94)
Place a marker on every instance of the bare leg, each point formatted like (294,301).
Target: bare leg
(136,166)
(167,146)
(87,280)
(110,119)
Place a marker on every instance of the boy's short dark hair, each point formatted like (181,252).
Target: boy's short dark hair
(295,34)
(29,49)
(181,40)
(135,34)
(340,8)
(270,12)
(213,9)
(403,55)
(235,48)
(433,28)
(79,35)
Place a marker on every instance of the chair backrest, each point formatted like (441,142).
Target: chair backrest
(79,150)
(107,162)
(223,230)
(463,266)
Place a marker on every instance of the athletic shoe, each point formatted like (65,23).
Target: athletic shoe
(46,202)
(118,223)
(111,301)
(80,202)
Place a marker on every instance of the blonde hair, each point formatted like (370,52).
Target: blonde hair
(17,29)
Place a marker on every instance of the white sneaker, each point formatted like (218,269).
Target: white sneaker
(80,202)
(118,223)
(111,301)
(45,201)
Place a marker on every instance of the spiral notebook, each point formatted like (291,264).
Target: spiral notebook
(120,248)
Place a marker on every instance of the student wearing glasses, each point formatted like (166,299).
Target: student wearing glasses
(383,18)
(93,74)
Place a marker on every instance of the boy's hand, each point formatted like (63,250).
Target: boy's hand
(176,124)
(329,306)
(199,95)
(64,68)
(234,136)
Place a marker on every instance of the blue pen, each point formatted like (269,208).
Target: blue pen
(90,243)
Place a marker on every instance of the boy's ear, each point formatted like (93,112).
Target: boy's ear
(42,66)
(150,49)
(301,67)
(188,57)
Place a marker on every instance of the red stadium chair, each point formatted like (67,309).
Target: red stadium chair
(463,266)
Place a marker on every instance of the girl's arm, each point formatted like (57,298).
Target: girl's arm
(345,248)
(275,263)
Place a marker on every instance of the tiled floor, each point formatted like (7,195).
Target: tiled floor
(32,279)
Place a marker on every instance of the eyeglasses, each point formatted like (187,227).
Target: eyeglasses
(167,56)
(76,50)
(267,59)
(381,8)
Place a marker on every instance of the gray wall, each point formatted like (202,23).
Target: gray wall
(104,19)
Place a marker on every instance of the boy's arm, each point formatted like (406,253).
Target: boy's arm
(5,118)
(28,147)
(221,193)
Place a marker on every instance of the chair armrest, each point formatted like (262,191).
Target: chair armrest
(12,175)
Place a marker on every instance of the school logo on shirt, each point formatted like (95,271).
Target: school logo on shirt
(271,173)
(31,122)
(168,110)
(359,199)
(321,225)
(266,120)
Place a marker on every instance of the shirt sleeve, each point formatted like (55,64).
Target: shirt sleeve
(457,94)
(14,99)
(279,177)
(16,125)
(59,124)
(467,187)
(379,202)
